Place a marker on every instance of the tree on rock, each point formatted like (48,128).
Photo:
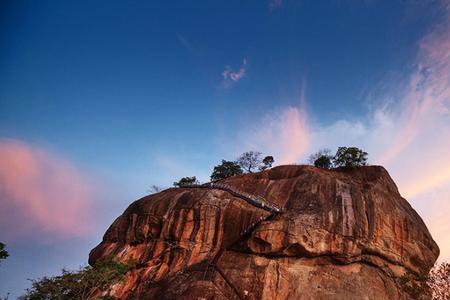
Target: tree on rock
(155,189)
(322,159)
(350,157)
(3,253)
(226,169)
(250,161)
(267,162)
(185,181)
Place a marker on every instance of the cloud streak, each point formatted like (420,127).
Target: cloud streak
(230,76)
(283,134)
(410,137)
(42,195)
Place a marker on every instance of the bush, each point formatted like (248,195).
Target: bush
(77,285)
(3,253)
(323,162)
(267,163)
(321,159)
(186,181)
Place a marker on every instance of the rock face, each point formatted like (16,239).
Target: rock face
(342,234)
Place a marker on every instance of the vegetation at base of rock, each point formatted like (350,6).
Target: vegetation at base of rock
(439,281)
(436,284)
(415,286)
(78,285)
(3,253)
(226,169)
(186,181)
(348,157)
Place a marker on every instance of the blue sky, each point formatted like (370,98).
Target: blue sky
(130,94)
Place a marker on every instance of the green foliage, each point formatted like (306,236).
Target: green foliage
(350,157)
(267,162)
(226,169)
(323,162)
(3,253)
(321,159)
(77,285)
(186,181)
(249,161)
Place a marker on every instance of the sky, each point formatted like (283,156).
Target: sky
(100,100)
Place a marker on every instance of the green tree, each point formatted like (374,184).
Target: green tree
(226,169)
(267,162)
(3,253)
(78,285)
(321,159)
(350,157)
(323,162)
(249,161)
(186,181)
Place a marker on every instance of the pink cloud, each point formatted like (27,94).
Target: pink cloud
(230,76)
(283,134)
(410,137)
(41,194)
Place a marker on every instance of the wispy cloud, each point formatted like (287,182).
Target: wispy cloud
(230,76)
(42,195)
(283,134)
(410,137)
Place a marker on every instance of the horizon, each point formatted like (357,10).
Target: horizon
(99,101)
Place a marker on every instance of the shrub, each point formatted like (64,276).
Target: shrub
(186,181)
(77,285)
(267,163)
(3,253)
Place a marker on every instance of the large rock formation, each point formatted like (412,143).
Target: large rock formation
(342,234)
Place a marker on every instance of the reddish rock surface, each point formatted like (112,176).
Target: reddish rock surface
(343,234)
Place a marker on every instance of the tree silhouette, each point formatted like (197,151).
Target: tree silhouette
(250,161)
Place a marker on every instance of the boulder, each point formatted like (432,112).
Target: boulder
(340,234)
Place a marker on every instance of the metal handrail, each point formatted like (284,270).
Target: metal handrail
(257,201)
